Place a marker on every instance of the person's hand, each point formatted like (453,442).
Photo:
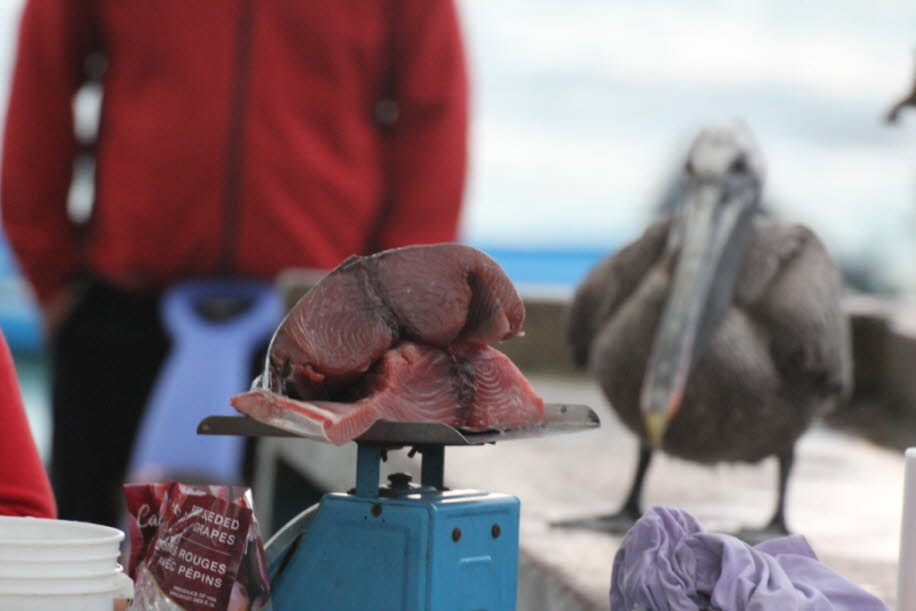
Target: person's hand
(55,310)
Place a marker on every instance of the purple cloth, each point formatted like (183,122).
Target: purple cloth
(667,562)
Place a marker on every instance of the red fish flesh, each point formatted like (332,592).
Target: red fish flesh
(401,335)
(468,386)
(438,295)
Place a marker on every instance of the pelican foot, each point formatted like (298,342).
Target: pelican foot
(753,536)
(615,524)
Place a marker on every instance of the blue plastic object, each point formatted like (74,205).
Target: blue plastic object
(209,362)
(403,547)
(19,318)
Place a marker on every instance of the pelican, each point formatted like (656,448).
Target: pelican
(718,335)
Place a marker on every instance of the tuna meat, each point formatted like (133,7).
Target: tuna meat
(469,386)
(401,335)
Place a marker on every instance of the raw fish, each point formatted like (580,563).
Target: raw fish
(402,335)
(469,386)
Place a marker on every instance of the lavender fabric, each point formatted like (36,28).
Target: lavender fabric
(667,562)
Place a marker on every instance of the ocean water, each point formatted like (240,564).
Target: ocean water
(32,373)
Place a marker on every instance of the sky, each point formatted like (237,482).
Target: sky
(583,108)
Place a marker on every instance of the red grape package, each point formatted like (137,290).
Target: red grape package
(195,548)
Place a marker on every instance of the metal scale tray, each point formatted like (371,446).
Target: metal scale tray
(559,418)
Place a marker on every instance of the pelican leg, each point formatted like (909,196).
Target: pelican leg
(778,521)
(632,507)
(777,524)
(620,522)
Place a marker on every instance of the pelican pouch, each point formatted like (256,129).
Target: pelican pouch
(195,548)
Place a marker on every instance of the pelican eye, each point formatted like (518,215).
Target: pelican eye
(738,165)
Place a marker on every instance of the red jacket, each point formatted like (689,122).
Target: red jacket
(236,136)
(24,487)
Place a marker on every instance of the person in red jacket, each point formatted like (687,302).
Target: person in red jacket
(237,138)
(24,487)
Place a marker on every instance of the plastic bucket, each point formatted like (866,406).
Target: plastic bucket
(91,592)
(54,541)
(58,564)
(105,581)
(73,568)
(54,594)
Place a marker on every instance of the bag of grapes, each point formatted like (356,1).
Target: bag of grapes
(195,548)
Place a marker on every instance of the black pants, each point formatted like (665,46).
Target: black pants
(105,359)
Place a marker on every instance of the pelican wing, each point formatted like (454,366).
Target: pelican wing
(802,307)
(608,284)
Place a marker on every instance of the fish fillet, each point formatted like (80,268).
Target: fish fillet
(438,295)
(469,386)
(402,335)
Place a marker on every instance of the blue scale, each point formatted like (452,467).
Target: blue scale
(405,546)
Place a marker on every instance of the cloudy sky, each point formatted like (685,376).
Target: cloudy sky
(584,107)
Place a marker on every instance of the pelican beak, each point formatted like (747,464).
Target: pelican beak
(656,425)
(717,228)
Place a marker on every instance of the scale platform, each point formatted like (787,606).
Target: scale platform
(559,418)
(406,546)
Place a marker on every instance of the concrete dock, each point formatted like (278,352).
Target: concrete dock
(845,496)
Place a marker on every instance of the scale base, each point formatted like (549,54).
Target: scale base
(403,547)
(409,549)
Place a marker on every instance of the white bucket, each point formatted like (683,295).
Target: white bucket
(73,568)
(83,596)
(58,564)
(106,581)
(44,540)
